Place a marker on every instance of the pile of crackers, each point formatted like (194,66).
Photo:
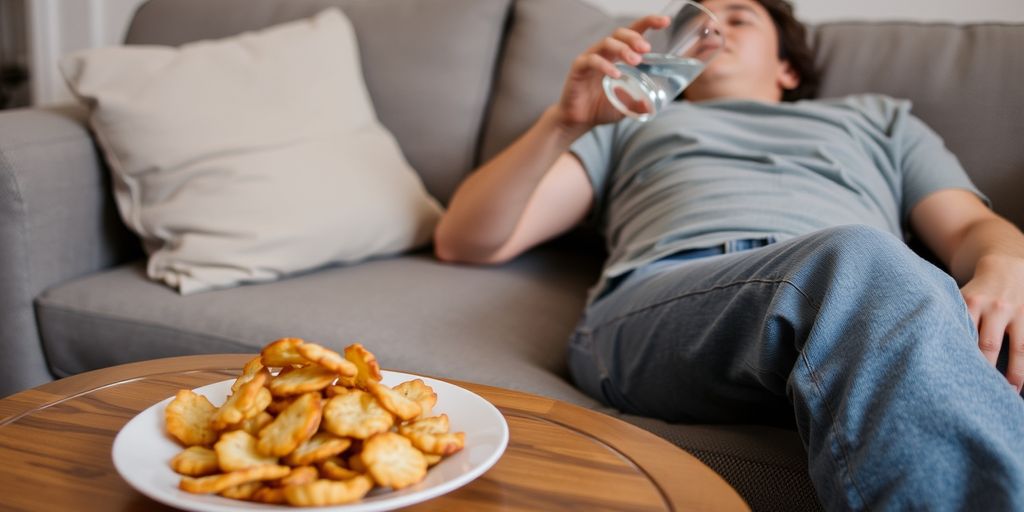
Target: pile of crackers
(307,426)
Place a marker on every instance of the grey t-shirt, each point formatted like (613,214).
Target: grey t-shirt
(699,175)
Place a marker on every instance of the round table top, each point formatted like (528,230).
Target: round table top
(55,444)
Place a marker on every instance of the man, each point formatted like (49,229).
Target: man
(757,271)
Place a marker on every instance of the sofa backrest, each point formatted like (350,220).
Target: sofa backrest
(458,80)
(965,81)
(428,64)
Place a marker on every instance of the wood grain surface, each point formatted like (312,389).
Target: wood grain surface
(55,445)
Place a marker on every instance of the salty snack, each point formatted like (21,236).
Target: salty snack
(356,414)
(292,427)
(393,461)
(300,475)
(187,418)
(236,451)
(217,483)
(334,469)
(195,461)
(302,380)
(320,447)
(249,401)
(307,426)
(420,393)
(251,368)
(328,492)
(366,364)
(328,358)
(393,401)
(283,352)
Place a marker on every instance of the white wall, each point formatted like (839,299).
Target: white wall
(57,27)
(814,11)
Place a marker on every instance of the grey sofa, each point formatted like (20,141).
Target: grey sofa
(455,81)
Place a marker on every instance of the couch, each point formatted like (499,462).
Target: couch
(455,81)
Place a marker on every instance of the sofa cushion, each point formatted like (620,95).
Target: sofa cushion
(427,63)
(505,326)
(544,37)
(251,157)
(965,82)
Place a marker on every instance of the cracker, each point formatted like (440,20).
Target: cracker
(438,444)
(300,475)
(236,451)
(242,491)
(302,380)
(392,461)
(317,448)
(334,469)
(269,495)
(293,426)
(256,423)
(283,352)
(250,400)
(279,404)
(419,392)
(251,368)
(432,425)
(393,401)
(366,364)
(328,359)
(195,461)
(328,492)
(356,414)
(187,418)
(217,483)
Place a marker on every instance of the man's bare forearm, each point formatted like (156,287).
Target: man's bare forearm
(985,241)
(485,209)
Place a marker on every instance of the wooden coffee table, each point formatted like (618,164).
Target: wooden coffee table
(55,446)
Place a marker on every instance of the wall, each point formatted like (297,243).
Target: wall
(57,27)
(815,11)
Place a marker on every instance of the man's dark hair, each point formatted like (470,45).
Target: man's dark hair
(793,47)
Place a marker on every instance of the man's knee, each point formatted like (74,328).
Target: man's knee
(858,238)
(863,254)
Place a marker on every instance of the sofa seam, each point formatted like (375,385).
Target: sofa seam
(46,142)
(40,302)
(495,75)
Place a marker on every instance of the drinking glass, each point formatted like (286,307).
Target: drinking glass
(679,54)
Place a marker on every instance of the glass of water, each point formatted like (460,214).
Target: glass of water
(679,54)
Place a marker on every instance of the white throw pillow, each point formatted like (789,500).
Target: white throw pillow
(252,157)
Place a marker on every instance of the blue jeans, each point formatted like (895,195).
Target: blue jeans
(845,334)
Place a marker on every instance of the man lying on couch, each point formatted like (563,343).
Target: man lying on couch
(757,272)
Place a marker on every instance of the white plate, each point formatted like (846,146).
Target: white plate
(142,452)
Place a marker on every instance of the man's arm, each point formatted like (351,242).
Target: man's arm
(529,193)
(985,253)
(534,190)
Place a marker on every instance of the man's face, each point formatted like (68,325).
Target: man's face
(748,67)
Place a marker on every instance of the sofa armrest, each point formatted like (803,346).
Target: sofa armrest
(58,221)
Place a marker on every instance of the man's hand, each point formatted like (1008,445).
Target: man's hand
(995,300)
(583,104)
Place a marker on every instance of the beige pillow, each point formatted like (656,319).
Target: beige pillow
(252,157)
